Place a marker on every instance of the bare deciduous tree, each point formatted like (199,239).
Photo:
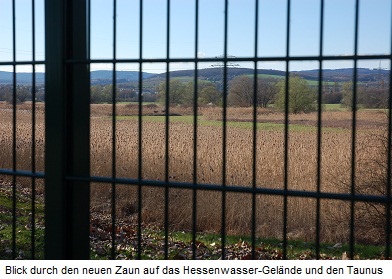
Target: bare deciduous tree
(241,92)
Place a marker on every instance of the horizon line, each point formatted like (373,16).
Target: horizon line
(178,70)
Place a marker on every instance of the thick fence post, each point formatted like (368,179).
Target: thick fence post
(67,135)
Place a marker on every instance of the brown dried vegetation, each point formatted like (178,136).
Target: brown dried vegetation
(302,168)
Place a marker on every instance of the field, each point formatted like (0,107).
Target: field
(302,168)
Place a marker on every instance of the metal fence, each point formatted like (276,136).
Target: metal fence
(67,135)
(11,220)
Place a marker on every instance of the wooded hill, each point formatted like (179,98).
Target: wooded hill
(103,77)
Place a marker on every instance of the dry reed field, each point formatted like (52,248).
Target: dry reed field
(302,167)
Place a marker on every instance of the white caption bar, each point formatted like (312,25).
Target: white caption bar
(195,269)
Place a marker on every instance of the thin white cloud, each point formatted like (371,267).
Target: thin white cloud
(201,54)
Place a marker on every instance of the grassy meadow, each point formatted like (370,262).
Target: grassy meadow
(335,168)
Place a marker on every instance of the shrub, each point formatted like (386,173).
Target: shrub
(301,97)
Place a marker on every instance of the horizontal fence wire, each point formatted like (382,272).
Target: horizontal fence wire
(23,63)
(22,173)
(232,189)
(236,59)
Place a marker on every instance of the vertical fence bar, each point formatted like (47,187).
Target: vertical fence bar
(224,131)
(56,239)
(167,126)
(67,135)
(88,35)
(14,131)
(33,153)
(319,130)
(254,132)
(78,129)
(114,138)
(389,159)
(389,170)
(140,135)
(354,134)
(78,76)
(195,114)
(286,132)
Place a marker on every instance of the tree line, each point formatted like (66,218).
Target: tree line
(302,97)
(23,93)
(100,94)
(241,93)
(367,95)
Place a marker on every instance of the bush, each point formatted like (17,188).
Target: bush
(347,95)
(241,92)
(375,98)
(332,98)
(301,97)
(371,179)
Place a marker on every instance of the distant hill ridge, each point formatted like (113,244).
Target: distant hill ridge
(105,76)
(102,75)
(212,72)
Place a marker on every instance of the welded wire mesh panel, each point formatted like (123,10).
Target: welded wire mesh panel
(22,129)
(191,130)
(234,165)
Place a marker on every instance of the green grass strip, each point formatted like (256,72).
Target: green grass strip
(267,126)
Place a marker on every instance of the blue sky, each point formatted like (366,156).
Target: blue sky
(374,31)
